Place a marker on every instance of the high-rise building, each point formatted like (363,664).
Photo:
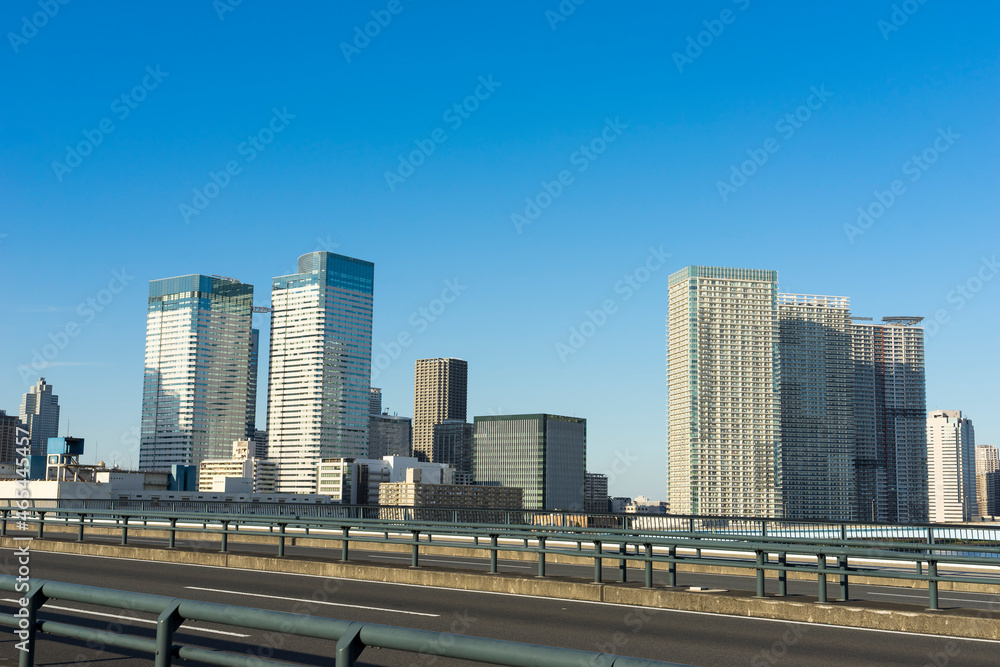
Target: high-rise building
(440,392)
(890,420)
(951,467)
(987,480)
(389,435)
(196,397)
(374,401)
(723,454)
(11,429)
(320,366)
(816,400)
(40,415)
(252,383)
(595,492)
(452,443)
(544,455)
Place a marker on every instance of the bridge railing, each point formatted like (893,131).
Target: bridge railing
(820,556)
(351,637)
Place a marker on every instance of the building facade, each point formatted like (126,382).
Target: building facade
(374,401)
(196,397)
(258,475)
(987,480)
(723,454)
(951,467)
(389,435)
(320,366)
(890,420)
(40,415)
(595,492)
(816,402)
(11,430)
(452,444)
(463,496)
(543,455)
(440,393)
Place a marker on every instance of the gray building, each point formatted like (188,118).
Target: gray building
(374,401)
(595,492)
(544,455)
(389,435)
(40,415)
(817,401)
(453,443)
(9,427)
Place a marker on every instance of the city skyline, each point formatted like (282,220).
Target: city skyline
(524,208)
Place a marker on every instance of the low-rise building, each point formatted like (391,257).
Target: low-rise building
(259,473)
(419,494)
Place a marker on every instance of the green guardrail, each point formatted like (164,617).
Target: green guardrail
(593,544)
(351,637)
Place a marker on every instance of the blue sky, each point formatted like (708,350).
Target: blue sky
(159,139)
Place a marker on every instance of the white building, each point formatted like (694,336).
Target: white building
(40,415)
(198,370)
(240,474)
(951,467)
(320,366)
(723,453)
(357,481)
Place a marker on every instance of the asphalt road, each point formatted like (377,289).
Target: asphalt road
(703,640)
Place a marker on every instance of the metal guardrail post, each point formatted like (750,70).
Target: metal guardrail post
(760,574)
(415,553)
(932,585)
(844,591)
(541,556)
(344,543)
(225,536)
(3,523)
(35,600)
(649,565)
(349,646)
(172,539)
(623,562)
(79,532)
(821,577)
(782,575)
(281,540)
(672,567)
(598,572)
(41,524)
(124,530)
(493,553)
(166,624)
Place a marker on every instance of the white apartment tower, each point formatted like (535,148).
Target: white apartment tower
(723,453)
(200,376)
(951,467)
(320,366)
(40,415)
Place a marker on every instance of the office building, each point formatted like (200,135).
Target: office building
(595,492)
(11,429)
(723,455)
(987,480)
(816,399)
(40,415)
(389,435)
(543,455)
(243,473)
(196,396)
(320,366)
(251,422)
(345,480)
(440,393)
(374,401)
(951,467)
(414,493)
(452,444)
(890,420)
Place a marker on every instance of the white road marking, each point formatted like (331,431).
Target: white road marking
(332,604)
(132,619)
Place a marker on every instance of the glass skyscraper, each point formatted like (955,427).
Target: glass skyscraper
(320,366)
(40,415)
(543,455)
(199,369)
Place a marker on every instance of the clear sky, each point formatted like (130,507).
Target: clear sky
(590,146)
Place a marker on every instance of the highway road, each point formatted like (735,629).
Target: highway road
(685,578)
(704,640)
